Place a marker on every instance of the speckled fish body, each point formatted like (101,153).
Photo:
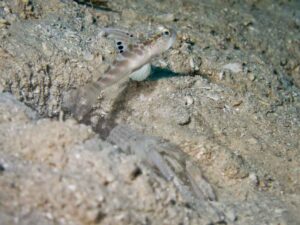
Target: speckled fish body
(136,58)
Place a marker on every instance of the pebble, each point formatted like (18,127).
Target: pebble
(182,117)
(253,179)
(6,10)
(188,100)
(252,77)
(231,215)
(252,141)
(195,63)
(233,67)
(89,18)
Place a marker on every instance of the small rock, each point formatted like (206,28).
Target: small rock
(252,77)
(231,215)
(6,10)
(182,117)
(253,179)
(188,100)
(88,18)
(195,63)
(233,67)
(237,103)
(252,141)
(221,75)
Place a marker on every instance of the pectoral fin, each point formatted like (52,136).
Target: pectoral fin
(142,73)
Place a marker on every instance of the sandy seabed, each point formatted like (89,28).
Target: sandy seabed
(227,94)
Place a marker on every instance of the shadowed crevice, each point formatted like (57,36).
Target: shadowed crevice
(158,73)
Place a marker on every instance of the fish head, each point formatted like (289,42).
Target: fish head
(162,41)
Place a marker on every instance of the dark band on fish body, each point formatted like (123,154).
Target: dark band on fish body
(137,51)
(104,81)
(113,72)
(121,63)
(127,54)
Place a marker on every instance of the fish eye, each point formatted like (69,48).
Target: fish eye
(167,33)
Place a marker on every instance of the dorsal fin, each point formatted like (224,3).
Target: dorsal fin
(123,39)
